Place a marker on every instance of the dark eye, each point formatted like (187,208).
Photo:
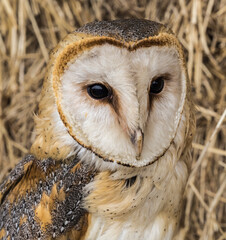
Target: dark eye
(97,91)
(157,85)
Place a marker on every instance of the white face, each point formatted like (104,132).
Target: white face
(112,126)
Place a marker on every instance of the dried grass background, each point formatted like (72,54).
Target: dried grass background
(30,29)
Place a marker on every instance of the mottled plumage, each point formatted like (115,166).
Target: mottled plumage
(45,199)
(111,155)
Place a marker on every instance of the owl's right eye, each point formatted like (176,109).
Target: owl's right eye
(98,91)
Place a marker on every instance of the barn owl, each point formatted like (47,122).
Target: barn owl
(113,139)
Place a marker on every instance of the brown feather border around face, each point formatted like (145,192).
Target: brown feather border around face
(86,42)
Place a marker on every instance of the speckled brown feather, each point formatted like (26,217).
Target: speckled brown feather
(125,29)
(43,200)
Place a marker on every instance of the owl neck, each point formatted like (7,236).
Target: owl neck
(144,206)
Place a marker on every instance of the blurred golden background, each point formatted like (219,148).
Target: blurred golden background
(29,29)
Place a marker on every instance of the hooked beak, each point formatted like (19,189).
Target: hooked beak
(137,138)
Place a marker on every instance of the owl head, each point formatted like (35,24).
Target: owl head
(115,92)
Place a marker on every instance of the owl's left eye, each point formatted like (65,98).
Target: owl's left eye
(157,85)
(97,91)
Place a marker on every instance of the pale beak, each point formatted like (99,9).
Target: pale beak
(137,138)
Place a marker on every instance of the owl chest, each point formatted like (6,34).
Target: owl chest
(143,212)
(158,229)
(145,208)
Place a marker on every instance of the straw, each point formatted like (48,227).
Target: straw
(29,29)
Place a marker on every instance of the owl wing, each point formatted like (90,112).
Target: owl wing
(43,200)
